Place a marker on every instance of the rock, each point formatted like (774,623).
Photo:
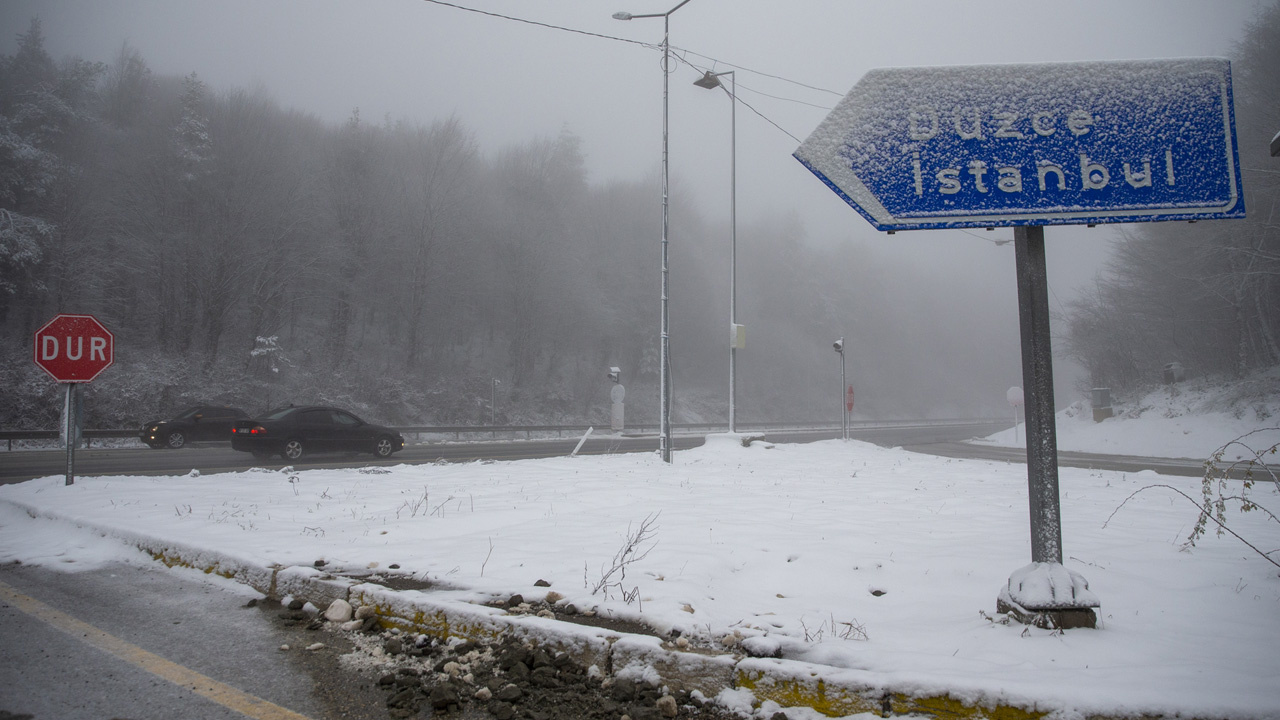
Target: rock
(542,583)
(515,600)
(518,673)
(401,698)
(365,611)
(394,566)
(321,563)
(544,676)
(253,602)
(509,693)
(554,597)
(570,609)
(408,681)
(393,646)
(453,669)
(442,696)
(296,604)
(370,624)
(667,706)
(352,625)
(778,716)
(484,694)
(512,655)
(339,611)
(502,710)
(388,679)
(315,646)
(762,647)
(540,659)
(284,647)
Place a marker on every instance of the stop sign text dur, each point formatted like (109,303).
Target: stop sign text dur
(74,348)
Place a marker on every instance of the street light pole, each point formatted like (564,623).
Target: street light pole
(493,402)
(711,80)
(664,357)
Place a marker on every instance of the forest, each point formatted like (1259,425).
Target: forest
(253,255)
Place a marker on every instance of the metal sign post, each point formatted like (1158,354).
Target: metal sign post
(1037,378)
(73,349)
(1026,146)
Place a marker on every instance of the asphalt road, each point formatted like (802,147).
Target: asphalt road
(148,643)
(946,440)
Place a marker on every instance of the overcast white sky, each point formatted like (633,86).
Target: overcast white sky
(510,82)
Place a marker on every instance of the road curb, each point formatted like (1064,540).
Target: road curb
(788,683)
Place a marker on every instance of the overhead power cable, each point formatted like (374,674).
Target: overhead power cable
(540,24)
(651,46)
(764,74)
(676,52)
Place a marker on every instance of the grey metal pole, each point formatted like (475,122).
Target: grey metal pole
(733,250)
(844,407)
(69,410)
(664,355)
(664,381)
(1037,380)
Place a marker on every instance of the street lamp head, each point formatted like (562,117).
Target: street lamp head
(838,346)
(709,80)
(622,16)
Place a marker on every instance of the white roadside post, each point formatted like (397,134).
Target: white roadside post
(1014,396)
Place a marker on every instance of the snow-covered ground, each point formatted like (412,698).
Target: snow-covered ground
(1191,419)
(877,564)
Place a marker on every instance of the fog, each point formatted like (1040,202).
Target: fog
(552,66)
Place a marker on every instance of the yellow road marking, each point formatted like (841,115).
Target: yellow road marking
(225,695)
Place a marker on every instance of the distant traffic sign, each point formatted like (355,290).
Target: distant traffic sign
(1041,144)
(74,348)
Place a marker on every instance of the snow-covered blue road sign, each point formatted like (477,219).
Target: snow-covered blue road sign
(1035,144)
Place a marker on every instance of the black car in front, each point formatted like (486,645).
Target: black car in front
(202,422)
(295,432)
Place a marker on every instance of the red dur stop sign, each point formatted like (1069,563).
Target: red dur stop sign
(74,348)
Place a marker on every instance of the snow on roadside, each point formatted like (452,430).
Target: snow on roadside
(879,566)
(1191,419)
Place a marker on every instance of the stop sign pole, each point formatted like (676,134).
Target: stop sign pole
(73,349)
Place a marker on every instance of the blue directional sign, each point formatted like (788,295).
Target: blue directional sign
(1036,144)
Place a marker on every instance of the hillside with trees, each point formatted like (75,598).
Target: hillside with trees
(1203,295)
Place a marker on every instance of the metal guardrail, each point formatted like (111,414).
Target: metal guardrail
(494,431)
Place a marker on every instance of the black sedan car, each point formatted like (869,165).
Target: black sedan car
(202,422)
(294,432)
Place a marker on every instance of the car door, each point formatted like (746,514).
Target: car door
(317,430)
(204,424)
(216,423)
(350,434)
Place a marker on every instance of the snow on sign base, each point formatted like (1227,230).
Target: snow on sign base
(1035,144)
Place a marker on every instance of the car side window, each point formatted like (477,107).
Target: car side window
(342,418)
(316,417)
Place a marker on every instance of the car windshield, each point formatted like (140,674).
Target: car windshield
(278,413)
(188,413)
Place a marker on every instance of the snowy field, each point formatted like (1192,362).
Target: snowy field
(879,564)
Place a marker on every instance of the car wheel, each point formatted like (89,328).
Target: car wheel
(292,449)
(261,454)
(176,440)
(383,447)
